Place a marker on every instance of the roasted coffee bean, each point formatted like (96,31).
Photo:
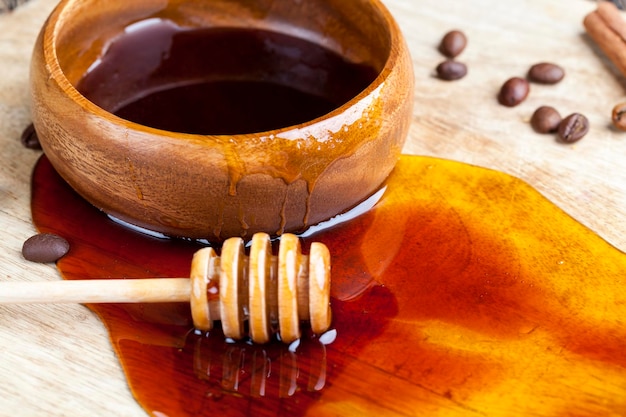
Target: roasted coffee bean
(618,116)
(513,92)
(10,5)
(573,128)
(546,73)
(451,70)
(453,43)
(29,138)
(545,119)
(45,248)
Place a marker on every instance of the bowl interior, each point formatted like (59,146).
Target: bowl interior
(355,31)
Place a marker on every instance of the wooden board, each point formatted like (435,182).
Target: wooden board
(42,373)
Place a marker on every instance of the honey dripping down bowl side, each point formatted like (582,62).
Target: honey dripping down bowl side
(212,187)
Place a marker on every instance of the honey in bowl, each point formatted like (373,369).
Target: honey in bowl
(219,81)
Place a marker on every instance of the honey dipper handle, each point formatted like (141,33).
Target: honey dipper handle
(152,290)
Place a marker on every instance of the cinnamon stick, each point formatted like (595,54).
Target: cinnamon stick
(607,27)
(613,17)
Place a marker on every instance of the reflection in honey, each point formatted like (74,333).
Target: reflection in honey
(461,292)
(261,370)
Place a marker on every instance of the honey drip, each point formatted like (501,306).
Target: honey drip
(462,292)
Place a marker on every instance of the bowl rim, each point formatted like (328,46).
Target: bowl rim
(50,35)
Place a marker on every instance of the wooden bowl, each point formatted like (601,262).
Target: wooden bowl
(218,186)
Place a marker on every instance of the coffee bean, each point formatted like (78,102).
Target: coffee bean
(573,128)
(45,248)
(10,5)
(29,138)
(451,70)
(513,92)
(546,73)
(618,116)
(545,119)
(453,43)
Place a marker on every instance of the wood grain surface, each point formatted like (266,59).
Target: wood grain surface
(57,360)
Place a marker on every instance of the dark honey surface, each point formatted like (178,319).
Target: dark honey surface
(461,292)
(219,81)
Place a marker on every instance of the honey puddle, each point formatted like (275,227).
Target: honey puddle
(462,292)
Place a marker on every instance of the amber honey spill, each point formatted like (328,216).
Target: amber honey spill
(462,292)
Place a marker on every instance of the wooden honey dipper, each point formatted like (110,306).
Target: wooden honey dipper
(266,290)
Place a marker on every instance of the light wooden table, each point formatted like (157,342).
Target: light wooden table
(42,370)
